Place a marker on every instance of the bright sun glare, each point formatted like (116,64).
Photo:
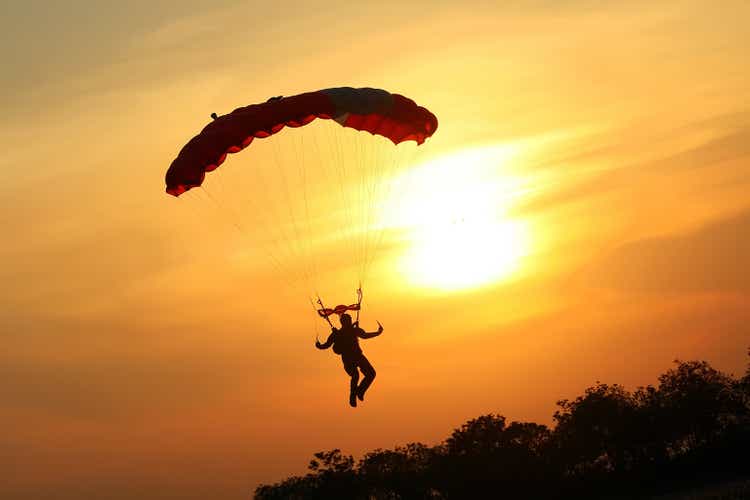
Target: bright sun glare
(455,208)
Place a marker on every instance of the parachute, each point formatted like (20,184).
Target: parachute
(376,111)
(284,185)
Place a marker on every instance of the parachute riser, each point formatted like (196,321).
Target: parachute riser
(322,307)
(359,302)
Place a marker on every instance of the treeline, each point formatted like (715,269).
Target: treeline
(692,429)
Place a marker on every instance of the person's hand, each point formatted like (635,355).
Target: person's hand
(380,327)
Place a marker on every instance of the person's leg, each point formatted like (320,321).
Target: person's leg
(369,372)
(351,369)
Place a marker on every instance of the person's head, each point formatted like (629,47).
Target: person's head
(346,320)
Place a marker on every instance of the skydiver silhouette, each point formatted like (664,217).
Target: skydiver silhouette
(345,342)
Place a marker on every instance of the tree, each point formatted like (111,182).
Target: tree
(398,473)
(486,457)
(690,429)
(594,432)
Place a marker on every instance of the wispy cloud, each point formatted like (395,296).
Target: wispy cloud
(711,259)
(592,171)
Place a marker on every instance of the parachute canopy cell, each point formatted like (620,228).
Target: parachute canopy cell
(376,111)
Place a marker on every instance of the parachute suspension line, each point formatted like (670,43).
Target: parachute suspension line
(361,230)
(282,240)
(325,167)
(370,184)
(275,250)
(397,164)
(330,171)
(275,247)
(285,244)
(221,206)
(294,243)
(375,147)
(294,238)
(242,231)
(374,181)
(364,145)
(279,245)
(377,178)
(344,195)
(380,176)
(304,165)
(369,167)
(302,168)
(346,186)
(356,226)
(306,241)
(288,157)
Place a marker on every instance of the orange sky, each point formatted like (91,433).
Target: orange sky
(595,156)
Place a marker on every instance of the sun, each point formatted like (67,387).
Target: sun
(465,255)
(459,233)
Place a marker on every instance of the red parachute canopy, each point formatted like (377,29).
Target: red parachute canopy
(379,112)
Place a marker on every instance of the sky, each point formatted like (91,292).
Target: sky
(581,214)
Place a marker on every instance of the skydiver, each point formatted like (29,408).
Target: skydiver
(345,342)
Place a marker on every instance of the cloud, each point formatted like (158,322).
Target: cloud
(728,147)
(711,259)
(591,172)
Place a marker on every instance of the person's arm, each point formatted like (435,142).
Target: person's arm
(369,335)
(328,343)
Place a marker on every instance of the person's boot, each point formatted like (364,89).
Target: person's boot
(352,399)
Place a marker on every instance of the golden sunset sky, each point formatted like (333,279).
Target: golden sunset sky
(581,214)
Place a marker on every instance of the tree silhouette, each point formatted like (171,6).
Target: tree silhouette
(332,475)
(593,432)
(692,428)
(485,454)
(398,473)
